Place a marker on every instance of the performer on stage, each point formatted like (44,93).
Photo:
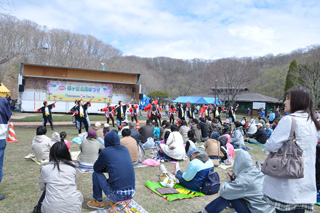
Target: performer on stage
(72,110)
(172,111)
(46,113)
(109,112)
(203,111)
(120,110)
(152,110)
(81,114)
(133,112)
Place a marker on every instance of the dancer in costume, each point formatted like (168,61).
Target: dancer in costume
(46,113)
(109,112)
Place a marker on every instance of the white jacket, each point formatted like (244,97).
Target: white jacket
(61,189)
(175,142)
(294,191)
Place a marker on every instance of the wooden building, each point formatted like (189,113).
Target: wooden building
(38,83)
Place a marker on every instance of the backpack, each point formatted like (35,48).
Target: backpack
(211,184)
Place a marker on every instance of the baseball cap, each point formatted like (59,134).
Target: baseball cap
(192,151)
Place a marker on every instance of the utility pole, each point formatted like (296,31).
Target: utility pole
(215,91)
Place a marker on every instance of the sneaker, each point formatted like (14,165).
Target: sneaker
(29,156)
(2,197)
(163,169)
(176,168)
(95,204)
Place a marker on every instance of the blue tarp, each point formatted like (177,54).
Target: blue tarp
(212,100)
(191,99)
(197,100)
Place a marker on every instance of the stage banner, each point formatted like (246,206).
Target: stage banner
(70,90)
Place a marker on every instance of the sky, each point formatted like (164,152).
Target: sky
(184,29)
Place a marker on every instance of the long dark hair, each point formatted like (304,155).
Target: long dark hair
(63,136)
(300,99)
(59,153)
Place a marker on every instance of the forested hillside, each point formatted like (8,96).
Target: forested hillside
(23,41)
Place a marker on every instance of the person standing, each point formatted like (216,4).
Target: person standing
(172,111)
(295,195)
(81,113)
(271,117)
(46,111)
(5,115)
(120,110)
(151,110)
(109,113)
(181,112)
(167,109)
(133,112)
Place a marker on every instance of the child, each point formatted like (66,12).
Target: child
(63,136)
(191,142)
(156,131)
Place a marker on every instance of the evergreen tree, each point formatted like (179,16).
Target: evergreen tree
(292,78)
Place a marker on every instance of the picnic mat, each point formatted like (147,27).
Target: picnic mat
(223,166)
(184,192)
(133,206)
(255,144)
(74,155)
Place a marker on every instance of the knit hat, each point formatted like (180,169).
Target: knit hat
(92,133)
(215,135)
(106,125)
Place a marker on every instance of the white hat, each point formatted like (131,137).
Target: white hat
(97,124)
(259,124)
(106,125)
(125,121)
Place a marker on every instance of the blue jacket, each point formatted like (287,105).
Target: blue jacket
(5,115)
(116,161)
(271,116)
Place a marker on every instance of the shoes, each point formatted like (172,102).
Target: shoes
(163,169)
(29,156)
(43,162)
(95,204)
(176,168)
(2,197)
(37,209)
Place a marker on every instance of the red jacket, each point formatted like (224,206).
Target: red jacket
(148,108)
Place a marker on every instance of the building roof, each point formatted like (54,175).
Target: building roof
(256,97)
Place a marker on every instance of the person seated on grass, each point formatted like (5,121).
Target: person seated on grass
(134,132)
(167,128)
(131,145)
(191,142)
(89,151)
(125,125)
(262,121)
(204,129)
(252,128)
(99,131)
(196,129)
(63,136)
(41,145)
(260,137)
(215,125)
(55,138)
(156,131)
(58,182)
(197,171)
(213,148)
(184,129)
(116,161)
(268,130)
(146,131)
(237,139)
(174,148)
(106,129)
(243,189)
(226,127)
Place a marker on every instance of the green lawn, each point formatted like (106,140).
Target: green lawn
(20,181)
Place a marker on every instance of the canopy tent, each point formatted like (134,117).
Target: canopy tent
(4,90)
(211,100)
(191,99)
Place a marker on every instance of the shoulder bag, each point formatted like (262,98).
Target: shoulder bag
(287,162)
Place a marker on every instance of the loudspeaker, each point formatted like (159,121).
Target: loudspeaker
(133,89)
(24,81)
(21,88)
(140,96)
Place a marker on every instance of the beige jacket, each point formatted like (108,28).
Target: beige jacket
(62,195)
(212,147)
(41,146)
(132,146)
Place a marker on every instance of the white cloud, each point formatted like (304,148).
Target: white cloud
(187,28)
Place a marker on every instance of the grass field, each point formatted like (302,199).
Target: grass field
(20,181)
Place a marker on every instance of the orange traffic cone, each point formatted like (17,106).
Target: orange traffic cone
(138,126)
(11,134)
